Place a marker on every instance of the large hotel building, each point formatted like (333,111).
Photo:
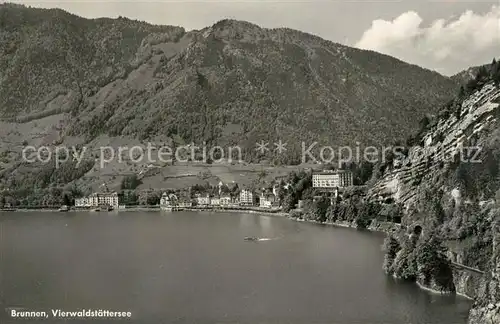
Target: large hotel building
(332,179)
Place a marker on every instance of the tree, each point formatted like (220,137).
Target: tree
(362,172)
(225,189)
(438,211)
(482,74)
(308,194)
(367,212)
(317,210)
(153,199)
(329,166)
(130,182)
(461,92)
(262,174)
(130,198)
(174,151)
(289,203)
(235,190)
(66,199)
(495,72)
(471,86)
(391,248)
(433,264)
(424,122)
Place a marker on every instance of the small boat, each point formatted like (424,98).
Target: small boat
(64,208)
(251,238)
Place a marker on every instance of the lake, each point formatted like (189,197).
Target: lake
(187,267)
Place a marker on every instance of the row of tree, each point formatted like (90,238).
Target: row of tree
(324,209)
(423,260)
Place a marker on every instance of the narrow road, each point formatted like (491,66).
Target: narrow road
(458,265)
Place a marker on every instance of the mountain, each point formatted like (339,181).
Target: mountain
(233,82)
(466,75)
(66,80)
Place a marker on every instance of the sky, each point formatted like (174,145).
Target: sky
(446,35)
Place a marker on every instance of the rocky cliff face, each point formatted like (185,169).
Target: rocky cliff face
(486,308)
(448,184)
(471,127)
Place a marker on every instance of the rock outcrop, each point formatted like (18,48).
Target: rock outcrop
(486,308)
(448,185)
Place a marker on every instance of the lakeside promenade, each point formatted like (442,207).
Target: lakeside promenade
(152,208)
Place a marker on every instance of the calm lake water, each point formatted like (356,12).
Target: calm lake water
(189,267)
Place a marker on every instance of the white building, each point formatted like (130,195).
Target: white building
(246,197)
(203,200)
(98,199)
(225,200)
(169,200)
(332,179)
(82,202)
(267,200)
(215,201)
(185,203)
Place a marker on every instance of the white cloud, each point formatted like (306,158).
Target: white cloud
(467,40)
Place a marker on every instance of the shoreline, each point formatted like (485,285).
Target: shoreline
(437,292)
(250,210)
(255,210)
(237,210)
(342,225)
(384,231)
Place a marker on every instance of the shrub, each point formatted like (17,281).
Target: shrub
(296,214)
(434,266)
(391,248)
(130,182)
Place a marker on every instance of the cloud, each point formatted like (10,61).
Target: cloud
(445,45)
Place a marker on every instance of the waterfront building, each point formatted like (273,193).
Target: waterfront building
(332,179)
(215,201)
(173,202)
(203,200)
(267,200)
(247,197)
(169,200)
(98,199)
(82,202)
(225,200)
(185,202)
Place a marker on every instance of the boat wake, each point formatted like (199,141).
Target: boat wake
(261,239)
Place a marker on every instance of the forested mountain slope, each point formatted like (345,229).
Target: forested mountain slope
(233,82)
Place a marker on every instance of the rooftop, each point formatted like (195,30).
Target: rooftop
(114,193)
(331,172)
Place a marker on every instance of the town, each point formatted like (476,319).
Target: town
(327,182)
